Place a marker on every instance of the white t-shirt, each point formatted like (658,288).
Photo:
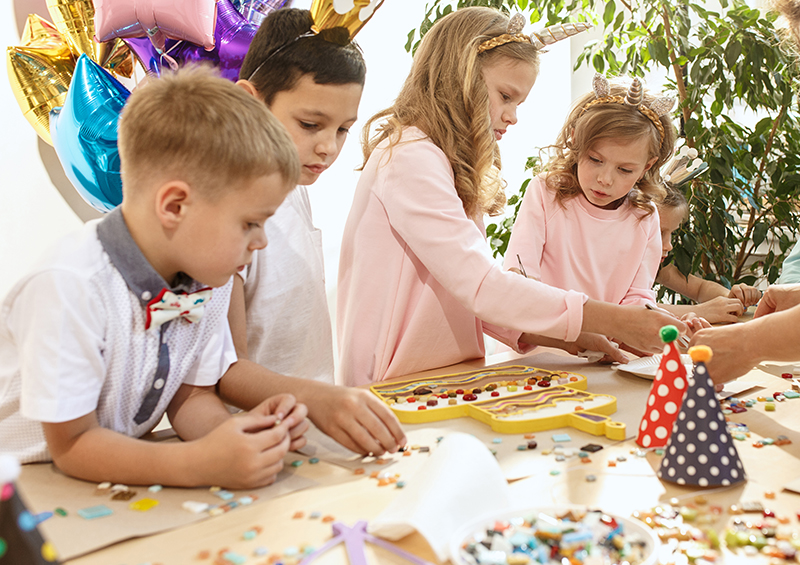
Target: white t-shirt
(288,323)
(73,341)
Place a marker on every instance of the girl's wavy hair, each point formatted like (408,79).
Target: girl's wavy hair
(283,50)
(610,121)
(446,97)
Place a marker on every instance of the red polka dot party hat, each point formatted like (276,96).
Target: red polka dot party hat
(666,394)
(700,451)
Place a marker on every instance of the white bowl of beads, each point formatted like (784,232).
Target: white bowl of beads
(546,535)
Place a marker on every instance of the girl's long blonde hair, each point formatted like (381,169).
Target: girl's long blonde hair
(446,97)
(623,122)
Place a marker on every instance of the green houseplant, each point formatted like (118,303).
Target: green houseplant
(720,64)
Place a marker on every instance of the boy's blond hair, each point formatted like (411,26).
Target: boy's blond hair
(446,97)
(586,126)
(194,126)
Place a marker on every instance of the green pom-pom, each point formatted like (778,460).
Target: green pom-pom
(669,334)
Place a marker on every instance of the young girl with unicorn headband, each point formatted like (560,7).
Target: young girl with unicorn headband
(589,221)
(304,66)
(417,283)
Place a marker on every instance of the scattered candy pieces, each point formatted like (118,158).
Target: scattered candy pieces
(313,460)
(143,505)
(297,515)
(195,507)
(561,438)
(123,495)
(298,462)
(155,488)
(94,512)
(328,518)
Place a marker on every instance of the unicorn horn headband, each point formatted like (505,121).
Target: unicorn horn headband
(538,39)
(634,97)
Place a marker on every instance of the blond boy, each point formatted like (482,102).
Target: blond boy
(117,324)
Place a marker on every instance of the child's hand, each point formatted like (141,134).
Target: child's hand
(732,356)
(286,408)
(640,332)
(694,322)
(778,297)
(746,294)
(356,418)
(598,343)
(720,309)
(245,451)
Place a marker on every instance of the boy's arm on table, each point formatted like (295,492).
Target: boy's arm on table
(353,417)
(245,451)
(740,347)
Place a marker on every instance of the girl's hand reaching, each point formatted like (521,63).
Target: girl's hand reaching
(746,294)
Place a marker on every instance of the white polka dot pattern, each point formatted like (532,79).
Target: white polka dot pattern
(694,453)
(666,394)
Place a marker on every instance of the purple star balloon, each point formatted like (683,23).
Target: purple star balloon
(232,37)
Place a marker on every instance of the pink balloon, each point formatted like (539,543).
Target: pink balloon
(189,20)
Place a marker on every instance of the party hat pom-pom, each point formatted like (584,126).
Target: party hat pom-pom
(516,23)
(635,93)
(700,353)
(669,334)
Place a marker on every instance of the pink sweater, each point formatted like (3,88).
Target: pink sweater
(417,283)
(611,255)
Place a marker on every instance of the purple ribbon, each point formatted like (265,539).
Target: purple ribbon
(354,539)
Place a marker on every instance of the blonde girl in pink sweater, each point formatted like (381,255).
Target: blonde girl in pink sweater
(589,222)
(417,283)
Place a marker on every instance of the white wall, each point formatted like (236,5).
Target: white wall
(34,213)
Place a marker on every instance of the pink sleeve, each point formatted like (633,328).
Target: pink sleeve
(529,233)
(423,208)
(641,290)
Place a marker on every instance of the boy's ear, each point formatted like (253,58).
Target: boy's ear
(172,202)
(248,86)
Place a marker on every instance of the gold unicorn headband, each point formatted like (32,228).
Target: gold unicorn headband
(538,39)
(634,97)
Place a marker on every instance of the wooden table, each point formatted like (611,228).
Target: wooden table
(628,486)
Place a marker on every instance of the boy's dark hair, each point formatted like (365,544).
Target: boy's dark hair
(279,56)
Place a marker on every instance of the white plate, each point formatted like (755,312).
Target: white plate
(647,367)
(631,526)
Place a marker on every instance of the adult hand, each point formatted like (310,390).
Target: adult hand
(355,418)
(777,298)
(731,358)
(746,294)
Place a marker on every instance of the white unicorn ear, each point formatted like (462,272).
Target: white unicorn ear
(663,105)
(551,34)
(600,86)
(635,94)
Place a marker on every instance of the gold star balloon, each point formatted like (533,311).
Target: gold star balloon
(74,19)
(349,14)
(40,71)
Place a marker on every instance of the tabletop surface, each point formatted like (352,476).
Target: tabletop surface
(333,489)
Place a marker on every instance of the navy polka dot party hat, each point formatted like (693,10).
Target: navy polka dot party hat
(700,451)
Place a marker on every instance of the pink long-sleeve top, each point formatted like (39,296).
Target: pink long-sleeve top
(611,255)
(417,283)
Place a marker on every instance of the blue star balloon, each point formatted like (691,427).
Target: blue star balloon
(84,134)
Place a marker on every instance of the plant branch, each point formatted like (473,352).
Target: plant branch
(751,222)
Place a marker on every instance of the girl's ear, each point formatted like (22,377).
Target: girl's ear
(650,163)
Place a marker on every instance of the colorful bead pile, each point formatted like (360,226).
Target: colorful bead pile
(572,538)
